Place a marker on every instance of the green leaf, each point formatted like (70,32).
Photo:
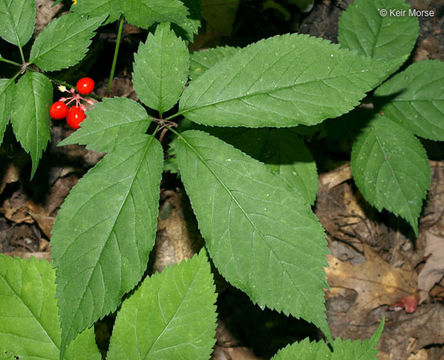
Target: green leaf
(104,232)
(161,69)
(30,114)
(391,169)
(363,29)
(17,19)
(202,60)
(283,151)
(343,350)
(415,98)
(113,8)
(275,82)
(7,92)
(263,239)
(191,24)
(170,316)
(29,324)
(64,42)
(304,350)
(219,16)
(108,122)
(144,13)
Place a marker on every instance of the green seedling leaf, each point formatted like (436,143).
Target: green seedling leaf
(275,82)
(283,151)
(370,28)
(342,350)
(202,60)
(107,123)
(242,208)
(7,94)
(29,324)
(30,114)
(104,233)
(64,42)
(17,19)
(391,169)
(144,13)
(415,99)
(161,69)
(170,316)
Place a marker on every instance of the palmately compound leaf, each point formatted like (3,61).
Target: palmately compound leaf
(113,8)
(29,324)
(304,350)
(371,29)
(7,94)
(161,69)
(263,239)
(275,82)
(17,19)
(108,122)
(30,114)
(342,350)
(201,61)
(283,151)
(104,233)
(391,169)
(144,13)
(64,42)
(170,316)
(415,98)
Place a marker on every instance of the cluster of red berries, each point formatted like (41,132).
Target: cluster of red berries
(75,114)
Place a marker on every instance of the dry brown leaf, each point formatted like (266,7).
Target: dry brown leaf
(433,271)
(177,238)
(375,281)
(26,255)
(45,13)
(12,174)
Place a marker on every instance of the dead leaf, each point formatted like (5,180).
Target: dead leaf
(45,13)
(375,281)
(177,238)
(26,255)
(12,175)
(433,271)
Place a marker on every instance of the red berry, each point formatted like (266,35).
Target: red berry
(58,110)
(85,85)
(75,117)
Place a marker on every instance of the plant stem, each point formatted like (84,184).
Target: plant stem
(10,62)
(21,54)
(116,52)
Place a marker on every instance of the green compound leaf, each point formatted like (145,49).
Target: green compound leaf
(170,316)
(192,23)
(275,82)
(343,350)
(283,152)
(144,13)
(161,69)
(29,324)
(17,19)
(7,92)
(104,233)
(113,8)
(30,114)
(107,123)
(363,29)
(242,208)
(64,42)
(391,169)
(416,99)
(202,60)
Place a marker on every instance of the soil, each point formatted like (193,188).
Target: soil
(375,260)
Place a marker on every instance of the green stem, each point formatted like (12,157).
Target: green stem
(10,62)
(116,52)
(21,54)
(169,118)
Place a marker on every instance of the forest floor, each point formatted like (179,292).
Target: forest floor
(377,266)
